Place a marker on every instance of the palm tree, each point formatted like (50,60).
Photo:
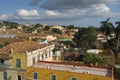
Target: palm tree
(112,44)
(117,33)
(107,28)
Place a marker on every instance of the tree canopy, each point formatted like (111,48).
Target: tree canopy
(107,28)
(57,31)
(90,58)
(85,37)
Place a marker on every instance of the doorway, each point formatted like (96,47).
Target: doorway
(19,77)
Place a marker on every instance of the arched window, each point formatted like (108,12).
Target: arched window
(53,77)
(74,79)
(35,76)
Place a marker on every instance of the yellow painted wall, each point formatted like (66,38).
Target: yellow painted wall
(21,56)
(1,75)
(45,74)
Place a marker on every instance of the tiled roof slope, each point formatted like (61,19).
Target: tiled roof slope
(62,36)
(21,47)
(10,40)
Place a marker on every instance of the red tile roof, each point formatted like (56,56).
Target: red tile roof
(62,36)
(21,47)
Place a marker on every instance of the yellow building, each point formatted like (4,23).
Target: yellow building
(28,61)
(66,71)
(7,72)
(23,55)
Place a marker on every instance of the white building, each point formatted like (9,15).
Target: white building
(41,54)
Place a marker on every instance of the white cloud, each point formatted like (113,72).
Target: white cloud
(69,4)
(52,13)
(23,12)
(99,10)
(93,11)
(64,9)
(75,9)
(4,17)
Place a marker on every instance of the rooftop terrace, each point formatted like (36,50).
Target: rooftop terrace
(76,67)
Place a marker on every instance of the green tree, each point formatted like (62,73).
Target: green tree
(10,25)
(70,27)
(47,27)
(72,50)
(85,37)
(107,28)
(117,61)
(28,29)
(57,31)
(112,43)
(117,34)
(90,58)
(117,73)
(38,25)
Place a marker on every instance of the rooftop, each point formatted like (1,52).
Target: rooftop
(75,67)
(21,47)
(65,39)
(62,36)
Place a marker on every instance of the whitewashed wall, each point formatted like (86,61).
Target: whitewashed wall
(37,54)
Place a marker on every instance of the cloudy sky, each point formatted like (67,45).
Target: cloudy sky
(60,12)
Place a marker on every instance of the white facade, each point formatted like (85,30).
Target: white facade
(94,51)
(41,54)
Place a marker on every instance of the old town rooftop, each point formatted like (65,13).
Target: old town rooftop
(74,67)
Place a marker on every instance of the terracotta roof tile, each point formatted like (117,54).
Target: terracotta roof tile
(21,47)
(62,36)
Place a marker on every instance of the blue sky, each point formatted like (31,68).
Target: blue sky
(81,13)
